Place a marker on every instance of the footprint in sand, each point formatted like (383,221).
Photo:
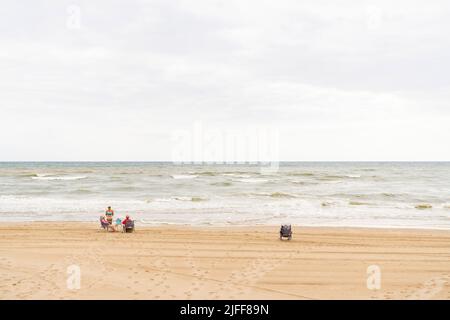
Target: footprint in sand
(242,282)
(198,275)
(155,276)
(430,288)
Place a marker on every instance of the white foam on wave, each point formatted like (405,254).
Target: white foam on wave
(184,176)
(183,198)
(161,200)
(252,180)
(353,176)
(49,177)
(238,175)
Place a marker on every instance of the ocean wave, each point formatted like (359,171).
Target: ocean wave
(125,188)
(350,195)
(303,183)
(130,172)
(389,195)
(222,184)
(337,177)
(204,173)
(382,195)
(84,171)
(272,194)
(174,199)
(27,175)
(423,206)
(50,177)
(250,180)
(236,175)
(83,191)
(282,195)
(239,172)
(193,199)
(184,176)
(159,200)
(358,203)
(327,204)
(301,174)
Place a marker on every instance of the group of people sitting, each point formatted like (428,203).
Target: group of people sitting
(107,223)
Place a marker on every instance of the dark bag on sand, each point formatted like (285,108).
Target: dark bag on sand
(286,231)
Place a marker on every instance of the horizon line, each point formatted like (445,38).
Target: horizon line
(268,162)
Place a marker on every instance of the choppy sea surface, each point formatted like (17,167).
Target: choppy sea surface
(366,194)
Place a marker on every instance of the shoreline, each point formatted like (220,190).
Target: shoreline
(238,262)
(142,225)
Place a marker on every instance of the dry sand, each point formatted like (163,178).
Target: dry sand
(221,263)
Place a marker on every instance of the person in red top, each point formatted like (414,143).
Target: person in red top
(124,222)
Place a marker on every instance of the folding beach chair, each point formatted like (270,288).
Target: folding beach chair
(105,225)
(129,226)
(286,232)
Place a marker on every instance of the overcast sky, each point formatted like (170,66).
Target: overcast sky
(118,80)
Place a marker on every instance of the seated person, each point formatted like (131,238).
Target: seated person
(103,220)
(124,222)
(117,223)
(105,224)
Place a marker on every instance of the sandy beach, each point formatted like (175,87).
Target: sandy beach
(180,262)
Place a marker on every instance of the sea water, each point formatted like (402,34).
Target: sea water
(364,194)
